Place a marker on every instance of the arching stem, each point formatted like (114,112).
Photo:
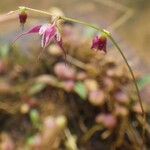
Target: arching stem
(120,51)
(108,35)
(131,72)
(114,43)
(123,56)
(135,83)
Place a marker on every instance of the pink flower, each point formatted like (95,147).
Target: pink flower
(48,32)
(99,43)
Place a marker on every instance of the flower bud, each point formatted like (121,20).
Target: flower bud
(100,43)
(22,16)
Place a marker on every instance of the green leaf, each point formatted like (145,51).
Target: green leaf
(81,90)
(143,82)
(34,116)
(31,141)
(4,51)
(36,88)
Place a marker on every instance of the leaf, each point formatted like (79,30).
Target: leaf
(35,118)
(143,82)
(4,51)
(36,88)
(30,140)
(81,90)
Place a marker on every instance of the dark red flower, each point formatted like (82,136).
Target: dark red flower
(99,43)
(22,18)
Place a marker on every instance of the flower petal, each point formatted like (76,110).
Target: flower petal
(49,35)
(95,43)
(58,36)
(33,30)
(102,43)
(43,40)
(99,43)
(43,28)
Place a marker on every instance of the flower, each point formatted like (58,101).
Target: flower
(48,32)
(99,43)
(22,16)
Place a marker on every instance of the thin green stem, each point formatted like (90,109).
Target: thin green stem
(81,22)
(112,40)
(130,69)
(120,51)
(110,37)
(37,11)
(123,56)
(135,83)
(62,17)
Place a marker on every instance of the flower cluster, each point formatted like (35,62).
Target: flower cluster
(50,33)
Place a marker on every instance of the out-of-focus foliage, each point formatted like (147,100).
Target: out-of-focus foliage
(144,81)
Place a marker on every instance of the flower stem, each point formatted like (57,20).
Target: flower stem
(37,11)
(135,83)
(130,69)
(120,51)
(112,40)
(110,37)
(123,56)
(81,22)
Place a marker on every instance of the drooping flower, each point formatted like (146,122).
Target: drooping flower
(48,32)
(99,43)
(22,16)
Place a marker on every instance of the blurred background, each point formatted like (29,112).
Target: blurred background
(129,18)
(22,86)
